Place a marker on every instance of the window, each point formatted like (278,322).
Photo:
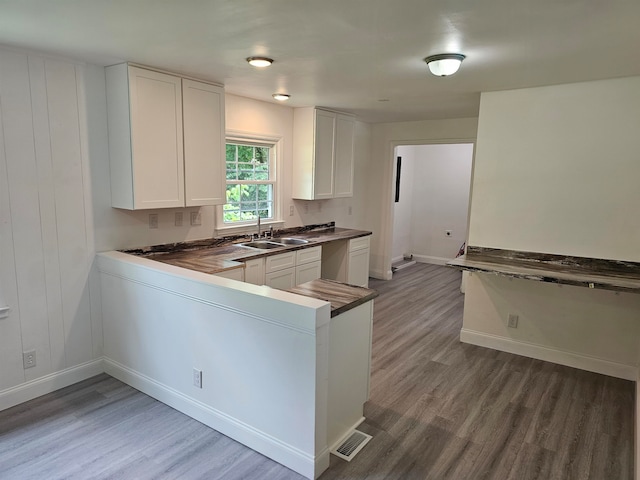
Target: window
(251,182)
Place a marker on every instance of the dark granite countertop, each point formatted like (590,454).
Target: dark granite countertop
(342,296)
(604,274)
(221,254)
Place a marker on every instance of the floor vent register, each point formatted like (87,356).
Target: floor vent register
(352,445)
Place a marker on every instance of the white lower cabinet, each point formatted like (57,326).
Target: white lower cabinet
(235,274)
(358,262)
(347,261)
(254,271)
(307,272)
(289,269)
(282,279)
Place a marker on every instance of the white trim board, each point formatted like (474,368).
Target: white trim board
(49,383)
(429,259)
(561,357)
(257,440)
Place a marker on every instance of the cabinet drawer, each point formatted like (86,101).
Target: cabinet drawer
(359,243)
(308,255)
(278,262)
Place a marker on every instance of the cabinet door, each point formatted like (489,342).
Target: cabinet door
(358,271)
(307,272)
(345,130)
(235,274)
(204,142)
(282,279)
(156,139)
(323,154)
(254,271)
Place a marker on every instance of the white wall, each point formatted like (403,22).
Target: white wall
(403,210)
(556,171)
(46,240)
(437,200)
(385,137)
(264,118)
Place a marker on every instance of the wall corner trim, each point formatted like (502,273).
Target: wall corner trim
(561,357)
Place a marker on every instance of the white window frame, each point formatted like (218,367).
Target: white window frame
(274,143)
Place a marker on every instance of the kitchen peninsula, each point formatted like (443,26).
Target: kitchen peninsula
(283,372)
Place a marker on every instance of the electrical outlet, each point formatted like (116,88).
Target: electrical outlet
(447,233)
(291,210)
(197,378)
(153,220)
(178,220)
(513,321)
(350,210)
(29,359)
(196,219)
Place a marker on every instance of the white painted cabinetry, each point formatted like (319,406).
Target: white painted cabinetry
(235,274)
(358,262)
(323,154)
(289,269)
(308,264)
(347,261)
(204,143)
(254,271)
(166,139)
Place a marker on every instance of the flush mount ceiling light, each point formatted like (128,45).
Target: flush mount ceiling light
(281,97)
(444,64)
(260,62)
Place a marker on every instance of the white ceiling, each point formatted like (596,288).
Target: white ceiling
(361,56)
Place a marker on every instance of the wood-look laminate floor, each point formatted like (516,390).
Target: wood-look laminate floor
(439,409)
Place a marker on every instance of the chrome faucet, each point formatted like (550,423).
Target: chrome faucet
(258,226)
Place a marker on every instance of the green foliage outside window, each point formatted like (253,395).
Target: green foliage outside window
(248,193)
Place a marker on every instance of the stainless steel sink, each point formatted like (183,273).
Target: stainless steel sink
(290,241)
(262,244)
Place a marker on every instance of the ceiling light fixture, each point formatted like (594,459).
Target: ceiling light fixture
(444,64)
(281,97)
(260,62)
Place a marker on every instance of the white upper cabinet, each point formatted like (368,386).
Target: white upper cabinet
(343,176)
(322,154)
(204,143)
(166,140)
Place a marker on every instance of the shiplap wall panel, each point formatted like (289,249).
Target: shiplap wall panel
(23,192)
(11,372)
(37,77)
(46,241)
(73,252)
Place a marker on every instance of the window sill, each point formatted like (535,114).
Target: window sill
(247,229)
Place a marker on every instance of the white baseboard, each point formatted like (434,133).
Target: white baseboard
(257,440)
(561,357)
(429,259)
(49,383)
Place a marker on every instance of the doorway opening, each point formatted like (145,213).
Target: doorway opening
(430,202)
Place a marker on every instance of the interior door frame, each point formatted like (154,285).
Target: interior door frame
(387,218)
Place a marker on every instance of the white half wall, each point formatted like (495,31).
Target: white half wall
(556,171)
